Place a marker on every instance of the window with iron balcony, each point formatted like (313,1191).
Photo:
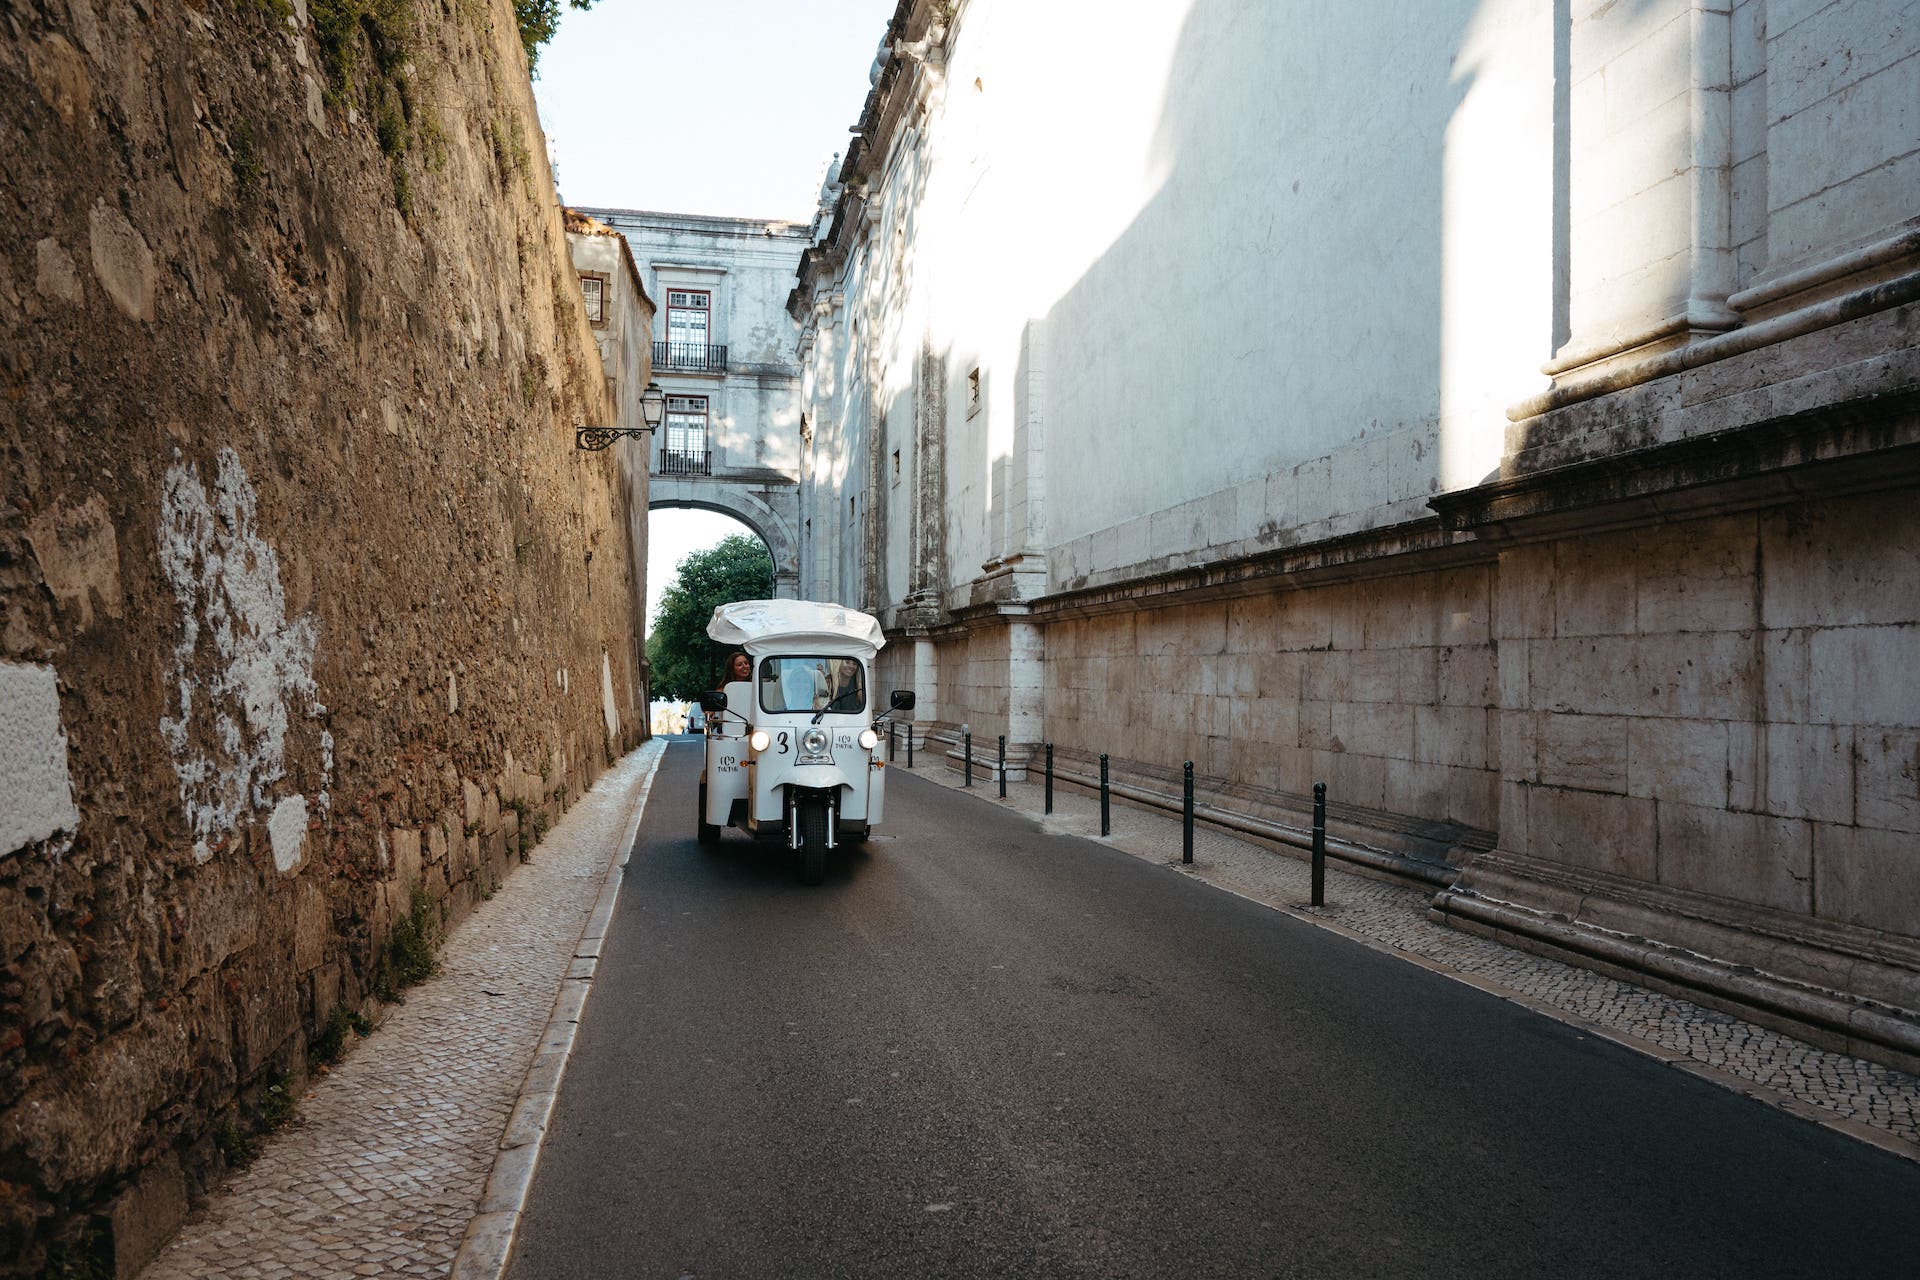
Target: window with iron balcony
(689,347)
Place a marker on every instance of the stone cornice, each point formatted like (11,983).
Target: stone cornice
(1872,442)
(1412,547)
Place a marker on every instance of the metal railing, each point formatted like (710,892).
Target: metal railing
(685,462)
(689,357)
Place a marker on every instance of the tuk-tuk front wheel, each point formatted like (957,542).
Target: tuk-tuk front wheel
(811,815)
(708,832)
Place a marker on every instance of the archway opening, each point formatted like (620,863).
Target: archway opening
(711,546)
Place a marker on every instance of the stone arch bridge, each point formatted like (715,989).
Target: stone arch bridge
(769,505)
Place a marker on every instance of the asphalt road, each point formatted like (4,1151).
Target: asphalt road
(978,1050)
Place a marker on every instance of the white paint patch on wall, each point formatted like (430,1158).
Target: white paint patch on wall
(288,828)
(36,792)
(607,705)
(229,728)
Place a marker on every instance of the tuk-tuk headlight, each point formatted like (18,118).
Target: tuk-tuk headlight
(759,740)
(869,739)
(814,741)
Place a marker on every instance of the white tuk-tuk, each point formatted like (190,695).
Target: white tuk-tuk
(793,753)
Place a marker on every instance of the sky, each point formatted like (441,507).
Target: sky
(730,107)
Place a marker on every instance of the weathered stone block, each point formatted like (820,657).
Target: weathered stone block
(1785,684)
(1589,752)
(1525,602)
(1275,720)
(1513,664)
(1865,877)
(1451,735)
(1519,748)
(1417,676)
(405,844)
(269,1014)
(1353,779)
(1593,587)
(1373,729)
(1865,676)
(1698,576)
(1744,856)
(1372,675)
(1303,621)
(1599,675)
(312,925)
(1810,771)
(146,1215)
(1683,760)
(1887,779)
(1417,789)
(1611,833)
(1846,563)
(1513,818)
(1324,677)
(1473,797)
(1467,674)
(1704,676)
(1346,616)
(326,991)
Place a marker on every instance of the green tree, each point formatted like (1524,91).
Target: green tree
(684,660)
(539,19)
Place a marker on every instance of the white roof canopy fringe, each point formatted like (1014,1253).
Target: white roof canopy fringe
(757,624)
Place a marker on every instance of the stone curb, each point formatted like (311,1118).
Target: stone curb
(489,1238)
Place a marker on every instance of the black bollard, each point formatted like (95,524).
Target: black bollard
(909,746)
(967,751)
(1106,814)
(893,741)
(1049,777)
(1319,844)
(1003,766)
(1186,818)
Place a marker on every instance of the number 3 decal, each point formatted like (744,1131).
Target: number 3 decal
(783,743)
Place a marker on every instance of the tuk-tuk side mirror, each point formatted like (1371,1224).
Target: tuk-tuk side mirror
(902,700)
(713,700)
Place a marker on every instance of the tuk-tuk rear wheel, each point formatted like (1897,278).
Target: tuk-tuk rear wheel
(811,814)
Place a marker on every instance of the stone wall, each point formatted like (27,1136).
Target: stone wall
(311,609)
(1384,690)
(1724,706)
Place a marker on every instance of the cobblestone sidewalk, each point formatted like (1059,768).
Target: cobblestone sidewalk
(387,1161)
(1863,1099)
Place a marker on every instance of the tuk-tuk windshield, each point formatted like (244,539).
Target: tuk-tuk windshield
(812,682)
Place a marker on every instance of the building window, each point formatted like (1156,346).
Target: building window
(973,391)
(688,319)
(689,347)
(684,452)
(593,289)
(896,466)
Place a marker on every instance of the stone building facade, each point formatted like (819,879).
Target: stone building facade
(723,353)
(311,616)
(620,313)
(1504,415)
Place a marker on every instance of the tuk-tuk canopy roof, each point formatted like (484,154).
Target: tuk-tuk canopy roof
(756,625)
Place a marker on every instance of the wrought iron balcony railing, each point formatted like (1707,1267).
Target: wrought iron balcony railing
(685,462)
(689,357)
